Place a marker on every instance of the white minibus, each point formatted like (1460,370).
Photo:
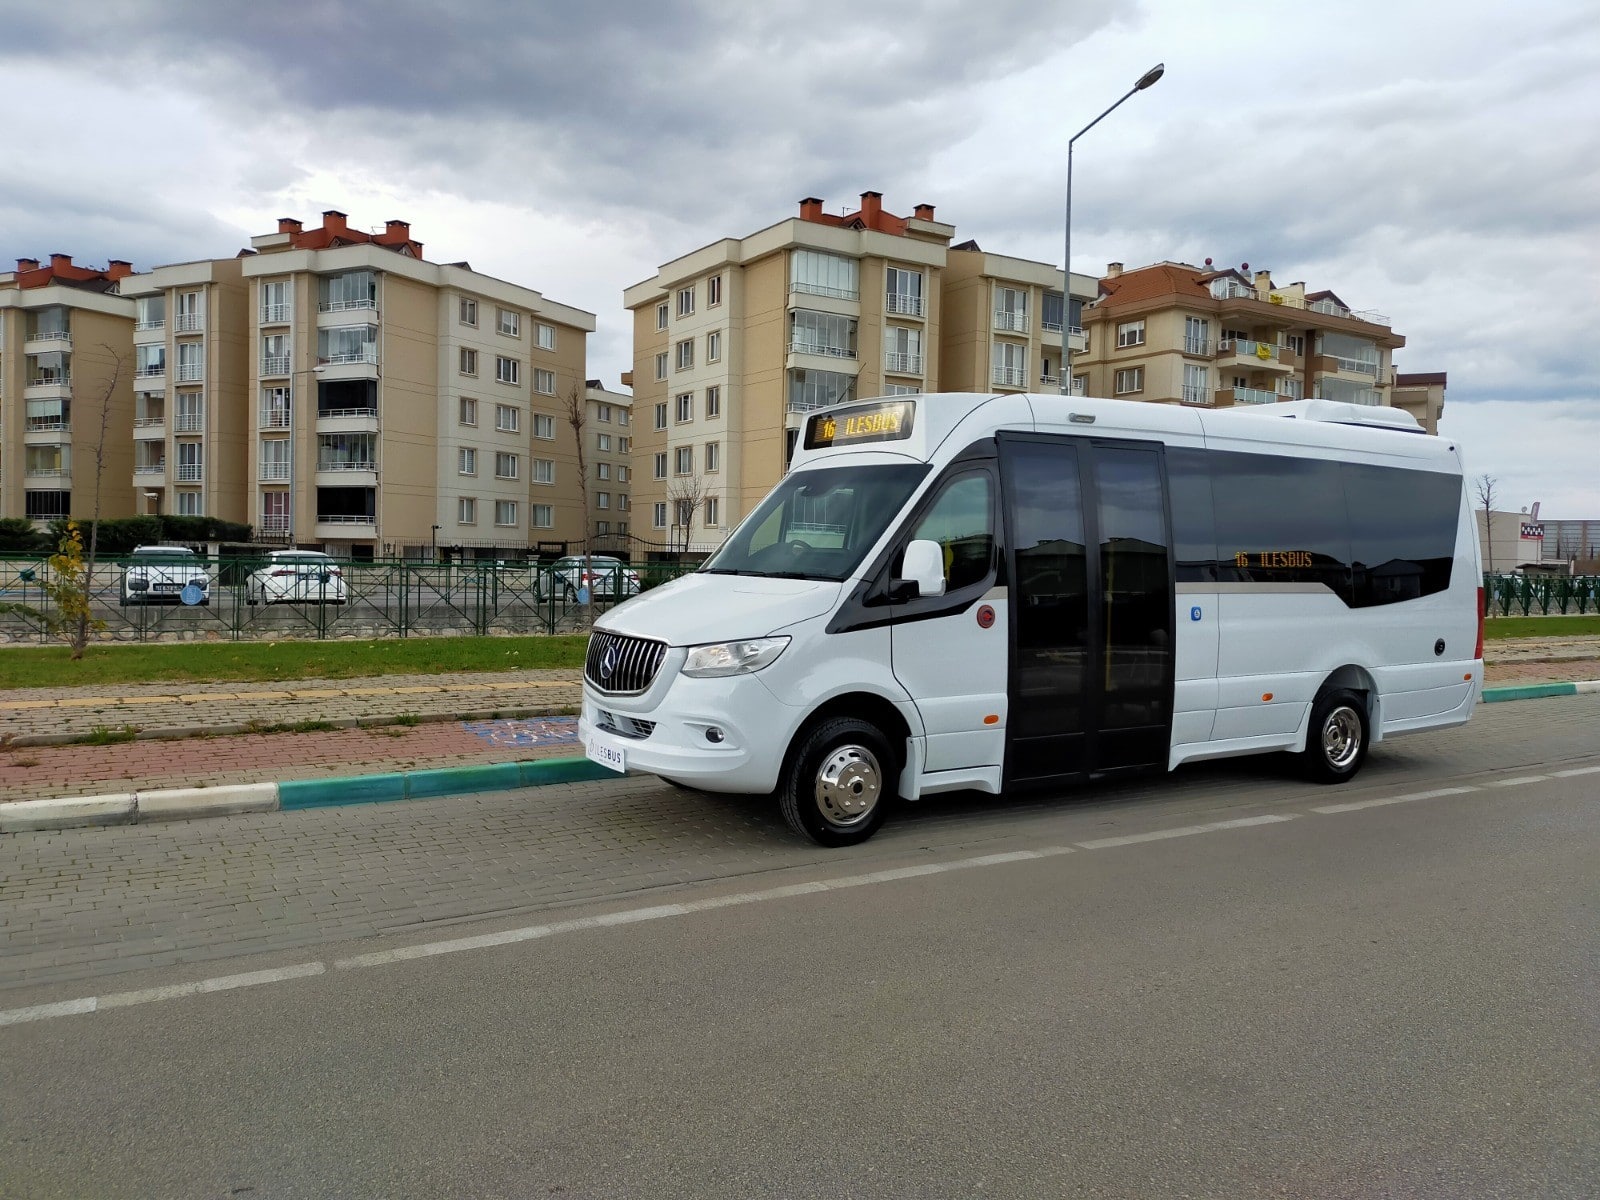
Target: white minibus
(993,592)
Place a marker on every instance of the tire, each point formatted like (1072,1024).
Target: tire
(1337,738)
(839,783)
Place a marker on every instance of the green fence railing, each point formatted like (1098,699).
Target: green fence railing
(1541,595)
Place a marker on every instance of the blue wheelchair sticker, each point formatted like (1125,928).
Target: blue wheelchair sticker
(1194,613)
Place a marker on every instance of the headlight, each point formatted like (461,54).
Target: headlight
(733,658)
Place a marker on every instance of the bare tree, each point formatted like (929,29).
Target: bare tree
(1485,488)
(79,639)
(578,418)
(686,495)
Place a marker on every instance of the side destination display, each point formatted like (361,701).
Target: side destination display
(885,421)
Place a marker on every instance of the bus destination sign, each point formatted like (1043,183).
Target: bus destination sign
(885,421)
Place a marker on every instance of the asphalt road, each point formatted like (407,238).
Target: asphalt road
(1223,984)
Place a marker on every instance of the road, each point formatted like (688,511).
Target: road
(1224,983)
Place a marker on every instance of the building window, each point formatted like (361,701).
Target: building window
(1011,310)
(713,511)
(469,361)
(686,302)
(713,402)
(685,406)
(544,516)
(901,389)
(466,510)
(623,445)
(352,289)
(661,316)
(824,275)
(505,512)
(1130,333)
(713,455)
(683,460)
(602,527)
(903,292)
(827,334)
(275,301)
(603,413)
(661,416)
(547,336)
(818,389)
(507,419)
(544,426)
(685,354)
(275,407)
(602,500)
(469,316)
(658,515)
(544,470)
(1196,335)
(507,370)
(602,470)
(661,365)
(467,411)
(714,291)
(602,441)
(466,461)
(714,346)
(622,473)
(505,465)
(1010,365)
(1196,384)
(1129,380)
(509,322)
(660,465)
(544,382)
(189,504)
(1295,342)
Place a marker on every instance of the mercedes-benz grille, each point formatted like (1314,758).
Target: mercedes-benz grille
(620,665)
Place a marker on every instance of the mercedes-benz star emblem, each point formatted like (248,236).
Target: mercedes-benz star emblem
(608,662)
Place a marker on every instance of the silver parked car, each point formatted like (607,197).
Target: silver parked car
(607,577)
(159,575)
(296,577)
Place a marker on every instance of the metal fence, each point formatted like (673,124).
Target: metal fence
(1541,595)
(370,599)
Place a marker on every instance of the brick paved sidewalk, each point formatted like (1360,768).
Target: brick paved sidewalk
(513,719)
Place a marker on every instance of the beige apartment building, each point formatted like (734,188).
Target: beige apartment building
(404,407)
(609,430)
(190,428)
(66,373)
(736,342)
(1172,333)
(1422,395)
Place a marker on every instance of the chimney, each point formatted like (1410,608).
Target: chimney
(289,225)
(871,209)
(811,209)
(1113,270)
(27,264)
(400,230)
(334,221)
(1263,281)
(57,261)
(923,212)
(119,269)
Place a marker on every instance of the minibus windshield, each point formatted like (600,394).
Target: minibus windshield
(818,524)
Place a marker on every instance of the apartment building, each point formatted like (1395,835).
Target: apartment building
(735,343)
(441,399)
(190,428)
(608,427)
(66,374)
(1422,395)
(1172,333)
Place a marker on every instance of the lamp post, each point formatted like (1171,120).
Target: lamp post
(1144,81)
(435,544)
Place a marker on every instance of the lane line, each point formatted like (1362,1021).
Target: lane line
(1519,781)
(43,1012)
(218,983)
(1568,774)
(1183,831)
(1359,804)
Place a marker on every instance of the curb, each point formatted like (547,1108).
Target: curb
(183,804)
(1537,691)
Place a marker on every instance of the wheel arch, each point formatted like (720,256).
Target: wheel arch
(1352,678)
(867,706)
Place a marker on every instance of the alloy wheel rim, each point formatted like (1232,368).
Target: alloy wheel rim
(1341,737)
(848,786)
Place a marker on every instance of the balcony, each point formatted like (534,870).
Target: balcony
(272,472)
(150,427)
(1252,355)
(903,364)
(347,420)
(191,372)
(1200,346)
(191,422)
(149,468)
(154,323)
(1014,377)
(817,289)
(277,523)
(810,405)
(368,354)
(821,349)
(903,305)
(46,341)
(1245,395)
(274,418)
(1197,394)
(151,372)
(1010,322)
(276,314)
(329,306)
(47,425)
(189,322)
(47,472)
(273,364)
(1049,380)
(191,472)
(333,473)
(341,526)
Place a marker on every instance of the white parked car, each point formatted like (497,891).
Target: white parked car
(159,574)
(296,577)
(608,577)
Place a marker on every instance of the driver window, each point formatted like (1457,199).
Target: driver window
(961,521)
(767,533)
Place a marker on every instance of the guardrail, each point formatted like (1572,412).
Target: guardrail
(365,599)
(1541,595)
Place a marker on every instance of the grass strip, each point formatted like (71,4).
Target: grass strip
(1506,628)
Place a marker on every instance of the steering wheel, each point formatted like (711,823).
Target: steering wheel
(796,546)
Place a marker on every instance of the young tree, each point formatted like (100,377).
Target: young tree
(578,417)
(686,495)
(1485,488)
(80,634)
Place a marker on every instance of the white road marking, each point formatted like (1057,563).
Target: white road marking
(1568,774)
(1519,781)
(1358,804)
(218,983)
(43,1012)
(1183,831)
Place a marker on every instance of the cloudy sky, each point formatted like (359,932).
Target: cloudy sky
(1439,163)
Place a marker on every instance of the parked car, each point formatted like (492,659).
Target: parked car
(296,577)
(609,578)
(159,574)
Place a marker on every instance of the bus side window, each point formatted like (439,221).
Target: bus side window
(962,522)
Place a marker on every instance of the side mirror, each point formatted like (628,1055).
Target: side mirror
(924,567)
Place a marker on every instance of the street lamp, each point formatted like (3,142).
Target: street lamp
(1144,81)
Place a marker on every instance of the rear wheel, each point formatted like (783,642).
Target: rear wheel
(839,783)
(1336,741)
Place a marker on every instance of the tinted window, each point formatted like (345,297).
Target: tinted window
(1402,532)
(1281,520)
(961,521)
(1194,534)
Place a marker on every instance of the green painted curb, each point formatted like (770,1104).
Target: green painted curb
(442,781)
(1528,691)
(540,771)
(354,789)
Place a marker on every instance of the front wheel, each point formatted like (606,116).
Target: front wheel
(1336,741)
(839,783)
